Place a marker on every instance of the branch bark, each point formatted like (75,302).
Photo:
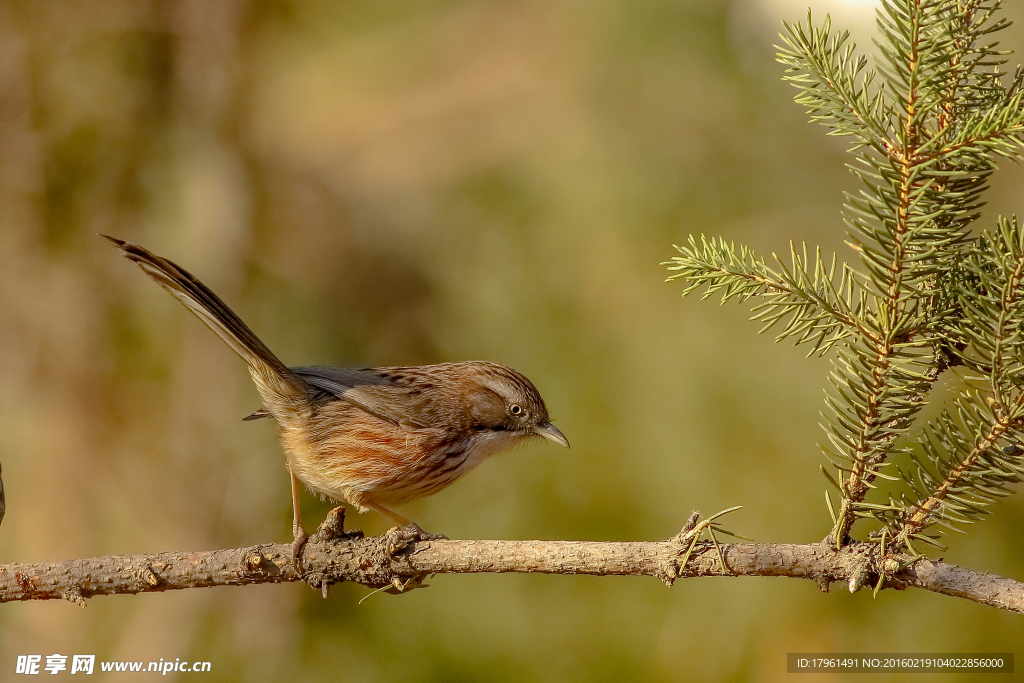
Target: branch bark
(393,564)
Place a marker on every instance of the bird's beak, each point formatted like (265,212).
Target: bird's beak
(551,432)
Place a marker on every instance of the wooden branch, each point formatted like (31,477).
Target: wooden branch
(391,563)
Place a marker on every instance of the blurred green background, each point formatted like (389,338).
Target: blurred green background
(382,183)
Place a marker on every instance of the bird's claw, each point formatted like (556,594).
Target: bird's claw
(399,537)
(297,544)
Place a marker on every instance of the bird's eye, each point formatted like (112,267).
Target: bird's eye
(515,409)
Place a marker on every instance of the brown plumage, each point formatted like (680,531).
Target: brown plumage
(374,437)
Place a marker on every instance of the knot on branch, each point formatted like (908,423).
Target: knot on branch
(74,594)
(688,540)
(149,577)
(257,563)
(859,568)
(866,563)
(684,543)
(331,532)
(333,528)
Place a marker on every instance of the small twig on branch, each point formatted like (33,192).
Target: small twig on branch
(3,501)
(333,555)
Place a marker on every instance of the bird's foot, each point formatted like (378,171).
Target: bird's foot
(399,537)
(300,540)
(331,529)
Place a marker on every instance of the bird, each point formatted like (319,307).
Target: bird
(372,437)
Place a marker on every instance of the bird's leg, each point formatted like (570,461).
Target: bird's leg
(407,530)
(298,532)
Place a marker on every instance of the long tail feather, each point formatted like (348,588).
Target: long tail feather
(267,370)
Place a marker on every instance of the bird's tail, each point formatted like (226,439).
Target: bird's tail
(274,380)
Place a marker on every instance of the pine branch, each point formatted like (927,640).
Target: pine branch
(973,475)
(910,225)
(812,302)
(873,404)
(929,126)
(376,563)
(834,85)
(974,453)
(998,131)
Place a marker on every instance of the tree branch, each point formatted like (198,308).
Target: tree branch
(387,562)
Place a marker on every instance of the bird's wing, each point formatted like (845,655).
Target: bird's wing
(384,397)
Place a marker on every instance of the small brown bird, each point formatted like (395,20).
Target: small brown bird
(374,437)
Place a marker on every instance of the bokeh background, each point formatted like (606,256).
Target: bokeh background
(374,183)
